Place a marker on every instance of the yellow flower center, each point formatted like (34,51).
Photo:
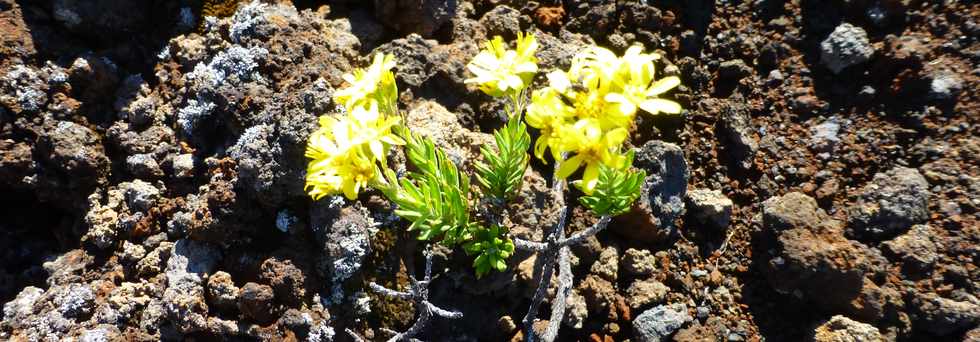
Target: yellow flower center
(588,105)
(591,153)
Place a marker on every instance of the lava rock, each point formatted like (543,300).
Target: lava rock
(599,293)
(23,90)
(416,60)
(222,292)
(713,329)
(790,211)
(185,304)
(256,301)
(264,167)
(103,332)
(843,329)
(848,45)
(251,22)
(557,52)
(286,279)
(149,141)
(577,312)
(812,257)
(607,266)
(342,234)
(944,316)
(103,219)
(733,70)
(710,207)
(74,300)
(972,336)
(645,292)
(183,165)
(140,195)
(944,84)
(143,166)
(657,324)
(93,77)
(823,137)
(415,16)
(642,15)
(76,150)
(639,262)
(877,303)
(219,83)
(917,249)
(735,129)
(662,197)
(17,311)
(890,204)
(68,268)
(103,20)
(16,163)
(502,21)
(216,214)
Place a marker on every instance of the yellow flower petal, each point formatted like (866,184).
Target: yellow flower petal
(350,189)
(663,85)
(377,149)
(569,166)
(539,147)
(654,106)
(616,137)
(590,178)
(559,81)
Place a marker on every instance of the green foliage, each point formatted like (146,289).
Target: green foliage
(435,198)
(492,247)
(503,171)
(616,190)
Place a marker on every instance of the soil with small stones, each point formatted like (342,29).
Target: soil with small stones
(151,166)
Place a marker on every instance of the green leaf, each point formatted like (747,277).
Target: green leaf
(435,198)
(616,190)
(492,248)
(500,173)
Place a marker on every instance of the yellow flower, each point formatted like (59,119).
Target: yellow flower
(358,172)
(375,84)
(549,114)
(340,162)
(592,147)
(499,71)
(326,152)
(632,88)
(594,68)
(374,129)
(345,150)
(588,101)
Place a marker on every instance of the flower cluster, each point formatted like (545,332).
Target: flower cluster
(500,71)
(346,149)
(585,113)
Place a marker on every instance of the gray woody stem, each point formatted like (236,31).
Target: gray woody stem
(555,246)
(545,263)
(419,293)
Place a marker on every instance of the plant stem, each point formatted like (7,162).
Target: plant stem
(585,234)
(555,247)
(546,265)
(418,293)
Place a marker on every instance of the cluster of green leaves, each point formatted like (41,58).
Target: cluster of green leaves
(492,247)
(435,198)
(616,189)
(501,175)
